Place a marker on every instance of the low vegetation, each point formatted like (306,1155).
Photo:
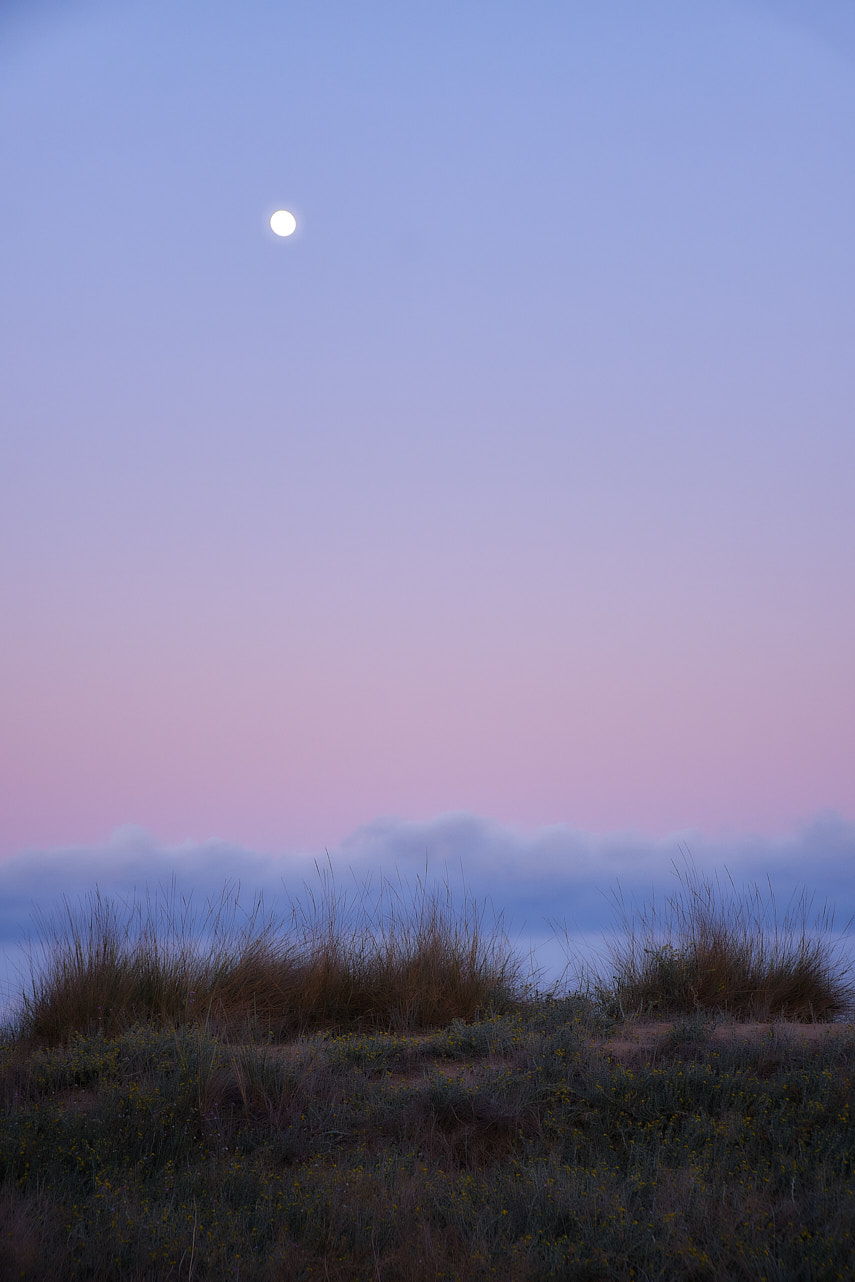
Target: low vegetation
(378,1091)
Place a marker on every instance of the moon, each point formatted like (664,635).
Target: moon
(283,222)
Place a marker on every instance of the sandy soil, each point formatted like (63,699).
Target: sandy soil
(638,1040)
(636,1036)
(633,1041)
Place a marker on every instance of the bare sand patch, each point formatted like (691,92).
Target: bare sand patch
(634,1040)
(636,1035)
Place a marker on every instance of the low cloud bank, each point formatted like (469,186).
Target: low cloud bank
(553,878)
(561,872)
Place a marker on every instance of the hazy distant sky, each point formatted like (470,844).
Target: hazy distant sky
(519,482)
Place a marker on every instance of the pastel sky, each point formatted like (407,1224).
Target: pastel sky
(518,484)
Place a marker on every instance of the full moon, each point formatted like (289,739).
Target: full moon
(283,223)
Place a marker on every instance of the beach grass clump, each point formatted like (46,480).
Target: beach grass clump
(335,959)
(714,949)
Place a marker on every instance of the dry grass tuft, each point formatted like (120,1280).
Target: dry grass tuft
(714,949)
(338,960)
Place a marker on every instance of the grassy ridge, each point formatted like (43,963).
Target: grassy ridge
(376,1092)
(409,958)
